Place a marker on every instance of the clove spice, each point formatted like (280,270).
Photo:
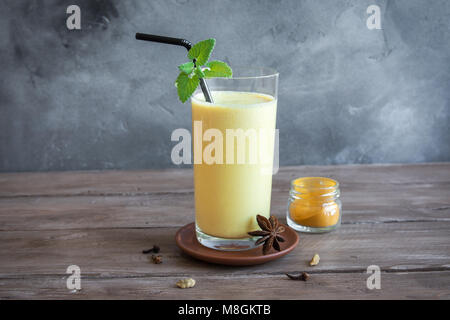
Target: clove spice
(302,276)
(155,249)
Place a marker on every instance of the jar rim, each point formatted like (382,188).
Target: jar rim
(315,183)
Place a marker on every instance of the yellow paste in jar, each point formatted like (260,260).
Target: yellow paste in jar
(314,204)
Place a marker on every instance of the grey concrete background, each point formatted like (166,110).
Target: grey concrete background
(98,99)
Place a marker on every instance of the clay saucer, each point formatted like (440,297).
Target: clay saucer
(187,241)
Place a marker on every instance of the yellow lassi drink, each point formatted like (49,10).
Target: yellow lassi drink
(235,186)
(233,121)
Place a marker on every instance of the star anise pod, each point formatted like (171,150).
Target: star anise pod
(269,233)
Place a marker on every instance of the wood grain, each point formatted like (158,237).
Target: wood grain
(173,180)
(177,209)
(413,285)
(117,252)
(395,216)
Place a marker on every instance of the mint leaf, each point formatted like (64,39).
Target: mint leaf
(199,72)
(187,67)
(217,69)
(186,85)
(201,51)
(191,72)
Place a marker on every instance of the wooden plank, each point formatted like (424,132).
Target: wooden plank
(180,180)
(95,182)
(117,252)
(84,212)
(415,285)
(172,210)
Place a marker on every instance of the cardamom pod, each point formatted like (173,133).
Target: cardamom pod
(315,260)
(186,283)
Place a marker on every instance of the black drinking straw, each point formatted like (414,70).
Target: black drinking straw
(176,42)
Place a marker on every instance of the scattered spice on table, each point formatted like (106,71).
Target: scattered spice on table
(155,249)
(302,276)
(185,283)
(156,259)
(315,260)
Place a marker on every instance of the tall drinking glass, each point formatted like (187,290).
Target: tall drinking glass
(233,156)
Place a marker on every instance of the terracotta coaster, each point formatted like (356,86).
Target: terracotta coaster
(187,241)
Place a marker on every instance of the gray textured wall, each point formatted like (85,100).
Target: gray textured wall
(97,98)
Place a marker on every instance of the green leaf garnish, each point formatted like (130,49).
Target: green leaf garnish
(186,85)
(187,67)
(199,72)
(217,69)
(201,51)
(192,71)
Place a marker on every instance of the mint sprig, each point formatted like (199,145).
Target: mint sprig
(217,68)
(186,85)
(201,51)
(187,67)
(191,72)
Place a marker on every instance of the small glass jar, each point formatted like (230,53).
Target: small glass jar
(314,205)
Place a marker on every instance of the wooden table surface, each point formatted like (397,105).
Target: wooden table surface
(394,216)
